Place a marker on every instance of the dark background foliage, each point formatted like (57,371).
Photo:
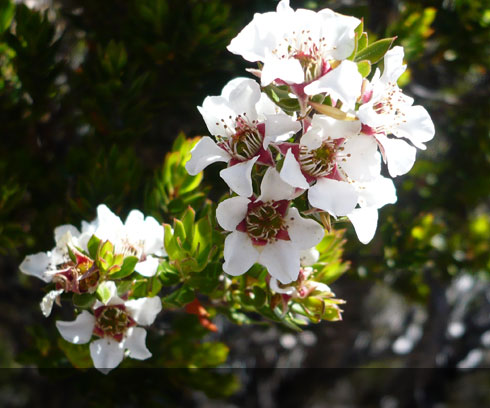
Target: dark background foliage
(92,95)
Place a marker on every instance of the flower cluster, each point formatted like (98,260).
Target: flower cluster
(312,134)
(87,263)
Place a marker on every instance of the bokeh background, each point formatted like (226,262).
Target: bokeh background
(92,95)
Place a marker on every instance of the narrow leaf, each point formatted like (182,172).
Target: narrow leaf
(375,51)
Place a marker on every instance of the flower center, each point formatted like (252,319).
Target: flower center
(245,140)
(310,53)
(129,247)
(265,221)
(318,162)
(112,321)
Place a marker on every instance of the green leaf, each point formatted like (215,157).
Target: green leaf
(168,274)
(179,298)
(127,268)
(188,222)
(210,355)
(93,246)
(289,105)
(7,11)
(77,355)
(260,297)
(364,68)
(362,42)
(84,300)
(375,51)
(171,247)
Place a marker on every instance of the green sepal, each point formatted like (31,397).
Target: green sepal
(106,251)
(84,300)
(93,246)
(103,293)
(364,68)
(71,254)
(126,269)
(375,51)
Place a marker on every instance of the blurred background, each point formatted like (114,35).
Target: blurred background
(92,95)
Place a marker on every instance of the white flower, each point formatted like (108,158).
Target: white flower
(266,231)
(334,156)
(115,323)
(138,236)
(389,111)
(244,122)
(301,47)
(56,265)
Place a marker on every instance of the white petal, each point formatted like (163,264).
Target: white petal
(110,226)
(205,152)
(78,331)
(148,267)
(242,95)
(304,233)
(144,310)
(239,254)
(279,128)
(400,156)
(313,138)
(284,7)
(62,230)
(239,177)
(153,237)
(266,107)
(291,172)
(273,188)
(364,221)
(288,290)
(106,354)
(134,222)
(338,30)
(309,257)
(135,342)
(231,212)
(377,193)
(281,258)
(336,197)
(216,112)
(343,82)
(288,70)
(36,265)
(393,65)
(48,301)
(417,126)
(361,159)
(334,128)
(259,37)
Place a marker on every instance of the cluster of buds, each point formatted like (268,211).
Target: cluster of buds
(88,264)
(312,134)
